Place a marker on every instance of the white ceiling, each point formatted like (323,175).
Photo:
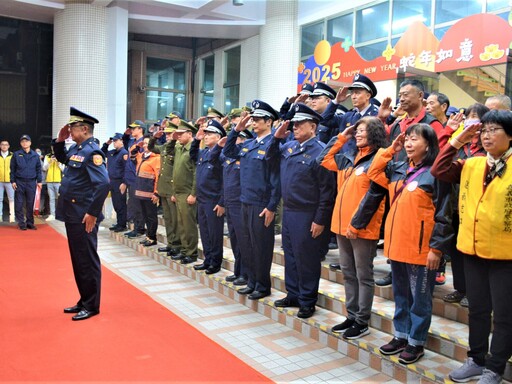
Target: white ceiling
(193,18)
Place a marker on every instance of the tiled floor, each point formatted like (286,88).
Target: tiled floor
(280,353)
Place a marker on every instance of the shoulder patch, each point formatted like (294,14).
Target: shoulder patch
(97,160)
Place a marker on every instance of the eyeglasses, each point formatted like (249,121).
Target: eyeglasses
(360,131)
(491,131)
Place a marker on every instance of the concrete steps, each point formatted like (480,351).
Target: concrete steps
(447,341)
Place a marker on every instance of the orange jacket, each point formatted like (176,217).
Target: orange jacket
(353,183)
(416,221)
(148,169)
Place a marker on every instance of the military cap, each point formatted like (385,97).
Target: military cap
(158,123)
(215,127)
(170,127)
(451,110)
(307,89)
(212,112)
(302,112)
(137,124)
(25,137)
(246,134)
(236,112)
(76,116)
(174,114)
(184,126)
(322,89)
(262,109)
(117,136)
(361,81)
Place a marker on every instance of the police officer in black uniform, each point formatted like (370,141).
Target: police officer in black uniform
(84,187)
(116,164)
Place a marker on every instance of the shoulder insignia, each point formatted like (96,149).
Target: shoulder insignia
(290,150)
(260,152)
(125,157)
(97,160)
(245,149)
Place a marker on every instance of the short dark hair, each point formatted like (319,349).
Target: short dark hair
(415,83)
(501,117)
(478,108)
(428,133)
(376,133)
(441,98)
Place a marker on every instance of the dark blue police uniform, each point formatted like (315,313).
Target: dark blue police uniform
(308,197)
(116,164)
(84,187)
(209,188)
(26,173)
(260,189)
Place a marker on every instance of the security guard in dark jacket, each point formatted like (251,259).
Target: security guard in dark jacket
(308,199)
(260,194)
(25,175)
(116,164)
(210,200)
(83,190)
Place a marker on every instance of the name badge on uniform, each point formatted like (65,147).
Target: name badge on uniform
(412,186)
(77,158)
(359,171)
(245,149)
(306,156)
(260,152)
(97,160)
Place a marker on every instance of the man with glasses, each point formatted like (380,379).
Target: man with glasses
(82,194)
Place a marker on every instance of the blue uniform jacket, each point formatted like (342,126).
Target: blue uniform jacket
(85,182)
(209,185)
(259,179)
(116,162)
(231,177)
(25,166)
(130,172)
(338,123)
(305,185)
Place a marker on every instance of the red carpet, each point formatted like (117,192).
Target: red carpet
(134,339)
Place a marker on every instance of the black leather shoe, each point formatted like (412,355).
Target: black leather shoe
(173,251)
(22,227)
(164,249)
(188,259)
(306,312)
(333,246)
(334,266)
(113,227)
(256,295)
(31,226)
(211,270)
(240,281)
(386,280)
(84,314)
(178,257)
(286,302)
(149,243)
(120,229)
(231,278)
(245,291)
(201,267)
(74,309)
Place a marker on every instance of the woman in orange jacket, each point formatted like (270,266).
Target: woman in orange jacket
(416,234)
(148,169)
(357,236)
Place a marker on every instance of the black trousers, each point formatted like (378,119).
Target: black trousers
(211,228)
(488,290)
(118,201)
(135,210)
(150,216)
(83,248)
(233,217)
(257,246)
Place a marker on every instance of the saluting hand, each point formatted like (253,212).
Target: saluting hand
(468,133)
(398,143)
(455,120)
(242,124)
(341,95)
(282,131)
(63,134)
(200,134)
(385,109)
(222,142)
(316,230)
(158,134)
(349,131)
(269,216)
(90,222)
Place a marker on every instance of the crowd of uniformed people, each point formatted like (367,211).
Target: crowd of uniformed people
(428,178)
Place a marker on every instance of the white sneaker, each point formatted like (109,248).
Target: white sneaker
(12,219)
(50,218)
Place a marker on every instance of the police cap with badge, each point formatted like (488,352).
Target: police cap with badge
(138,124)
(212,112)
(303,113)
(322,89)
(307,89)
(215,127)
(363,82)
(76,116)
(117,136)
(262,109)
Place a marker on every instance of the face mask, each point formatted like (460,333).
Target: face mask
(469,122)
